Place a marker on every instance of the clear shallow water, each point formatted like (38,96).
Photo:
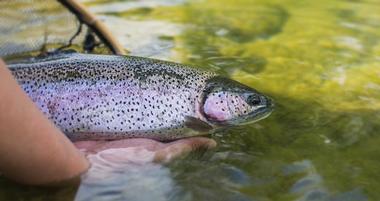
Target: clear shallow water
(319,61)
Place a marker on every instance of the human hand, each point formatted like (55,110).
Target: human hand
(141,150)
(121,169)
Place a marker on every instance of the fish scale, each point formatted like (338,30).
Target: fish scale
(113,97)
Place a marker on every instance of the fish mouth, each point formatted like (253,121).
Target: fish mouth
(261,112)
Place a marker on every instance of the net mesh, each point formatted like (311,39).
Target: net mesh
(37,26)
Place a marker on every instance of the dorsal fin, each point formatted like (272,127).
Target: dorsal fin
(48,57)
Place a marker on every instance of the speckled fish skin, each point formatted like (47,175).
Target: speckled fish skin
(92,97)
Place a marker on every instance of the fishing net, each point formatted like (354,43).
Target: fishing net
(38,26)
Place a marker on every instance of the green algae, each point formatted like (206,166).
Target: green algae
(326,43)
(319,60)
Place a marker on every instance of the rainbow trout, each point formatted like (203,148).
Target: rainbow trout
(93,97)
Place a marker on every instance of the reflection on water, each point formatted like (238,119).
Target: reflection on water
(319,60)
(128,182)
(144,38)
(311,187)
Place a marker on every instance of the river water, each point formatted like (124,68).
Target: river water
(319,61)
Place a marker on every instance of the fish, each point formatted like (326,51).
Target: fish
(110,97)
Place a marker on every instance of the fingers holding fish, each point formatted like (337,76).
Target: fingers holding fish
(183,147)
(142,150)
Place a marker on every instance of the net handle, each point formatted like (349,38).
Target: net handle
(85,16)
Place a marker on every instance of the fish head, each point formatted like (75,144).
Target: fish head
(227,102)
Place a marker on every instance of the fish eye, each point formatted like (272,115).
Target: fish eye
(253,99)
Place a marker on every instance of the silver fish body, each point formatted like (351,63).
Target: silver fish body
(112,97)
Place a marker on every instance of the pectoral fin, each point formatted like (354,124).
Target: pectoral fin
(197,124)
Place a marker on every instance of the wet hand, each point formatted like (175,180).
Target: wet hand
(124,166)
(140,150)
